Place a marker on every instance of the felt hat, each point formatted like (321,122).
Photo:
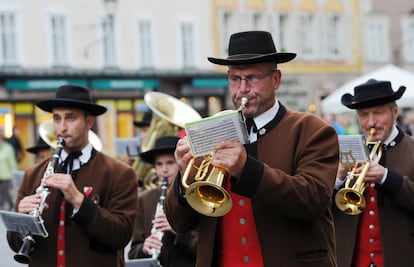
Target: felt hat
(163,145)
(146,120)
(72,96)
(40,145)
(372,93)
(252,47)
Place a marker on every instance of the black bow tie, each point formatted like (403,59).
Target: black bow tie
(68,162)
(250,124)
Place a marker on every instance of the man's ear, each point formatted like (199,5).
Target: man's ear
(90,120)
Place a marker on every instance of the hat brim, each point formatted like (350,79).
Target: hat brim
(149,156)
(348,99)
(35,149)
(253,59)
(141,124)
(48,105)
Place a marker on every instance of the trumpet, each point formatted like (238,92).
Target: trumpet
(350,199)
(206,194)
(23,255)
(159,210)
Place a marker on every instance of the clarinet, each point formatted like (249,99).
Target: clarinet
(23,256)
(160,210)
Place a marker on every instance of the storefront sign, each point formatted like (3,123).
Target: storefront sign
(113,84)
(40,84)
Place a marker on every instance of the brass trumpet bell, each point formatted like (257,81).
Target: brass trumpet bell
(206,194)
(350,201)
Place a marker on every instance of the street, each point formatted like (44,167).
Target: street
(6,254)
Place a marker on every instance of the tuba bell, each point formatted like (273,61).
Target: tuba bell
(206,194)
(46,132)
(169,116)
(350,199)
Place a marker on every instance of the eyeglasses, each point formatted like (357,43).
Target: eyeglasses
(251,80)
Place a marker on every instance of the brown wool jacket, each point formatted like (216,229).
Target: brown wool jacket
(179,250)
(99,231)
(290,186)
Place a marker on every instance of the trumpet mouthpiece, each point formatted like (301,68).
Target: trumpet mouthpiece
(244,101)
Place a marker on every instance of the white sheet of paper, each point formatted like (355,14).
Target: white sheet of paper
(204,134)
(352,149)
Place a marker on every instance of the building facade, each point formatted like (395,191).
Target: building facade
(122,49)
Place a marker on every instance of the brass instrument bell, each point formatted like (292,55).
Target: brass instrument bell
(206,194)
(169,116)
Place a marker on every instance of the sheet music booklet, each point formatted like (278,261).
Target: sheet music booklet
(204,134)
(24,224)
(352,149)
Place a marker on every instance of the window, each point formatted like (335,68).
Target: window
(227,21)
(407,45)
(59,40)
(187,44)
(146,51)
(307,36)
(8,39)
(333,35)
(281,31)
(376,43)
(109,42)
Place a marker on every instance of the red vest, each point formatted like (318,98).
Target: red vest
(238,241)
(368,248)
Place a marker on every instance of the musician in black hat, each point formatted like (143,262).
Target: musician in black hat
(280,184)
(382,234)
(91,207)
(41,150)
(144,125)
(173,250)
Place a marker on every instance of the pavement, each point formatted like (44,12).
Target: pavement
(6,254)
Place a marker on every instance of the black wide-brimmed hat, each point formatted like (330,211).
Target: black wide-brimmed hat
(252,47)
(72,96)
(163,145)
(146,120)
(372,93)
(40,145)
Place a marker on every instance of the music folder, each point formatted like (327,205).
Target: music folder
(352,149)
(203,134)
(24,224)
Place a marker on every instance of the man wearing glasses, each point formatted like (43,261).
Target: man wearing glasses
(280,184)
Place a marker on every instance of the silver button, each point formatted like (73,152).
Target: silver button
(61,222)
(241,202)
(372,255)
(371,212)
(242,221)
(246,259)
(262,131)
(61,252)
(371,240)
(243,240)
(372,199)
(371,227)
